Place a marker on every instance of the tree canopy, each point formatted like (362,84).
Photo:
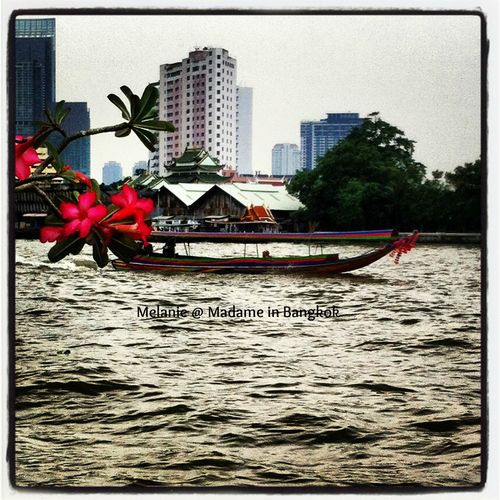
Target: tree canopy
(370,180)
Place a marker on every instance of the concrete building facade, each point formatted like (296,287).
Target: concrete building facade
(285,159)
(198,95)
(244,120)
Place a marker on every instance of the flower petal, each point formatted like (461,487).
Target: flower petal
(71,227)
(23,171)
(96,213)
(86,200)
(85,226)
(30,156)
(145,204)
(130,194)
(50,233)
(69,210)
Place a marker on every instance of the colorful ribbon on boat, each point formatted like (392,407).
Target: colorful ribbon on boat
(404,245)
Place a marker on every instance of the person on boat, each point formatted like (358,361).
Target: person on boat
(169,248)
(266,254)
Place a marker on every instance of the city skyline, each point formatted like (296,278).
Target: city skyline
(422,73)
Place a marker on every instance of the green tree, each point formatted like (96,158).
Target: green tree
(369,180)
(465,199)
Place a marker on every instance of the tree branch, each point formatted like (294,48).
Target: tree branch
(83,133)
(43,194)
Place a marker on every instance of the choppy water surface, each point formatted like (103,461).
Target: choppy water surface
(386,393)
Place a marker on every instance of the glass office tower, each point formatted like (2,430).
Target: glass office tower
(317,137)
(35,41)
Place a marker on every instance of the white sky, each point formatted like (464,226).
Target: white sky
(422,73)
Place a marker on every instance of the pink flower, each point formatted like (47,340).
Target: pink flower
(132,206)
(138,230)
(26,156)
(51,233)
(82,216)
(130,203)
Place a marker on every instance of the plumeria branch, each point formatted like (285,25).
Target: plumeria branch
(47,199)
(83,133)
(20,184)
(81,218)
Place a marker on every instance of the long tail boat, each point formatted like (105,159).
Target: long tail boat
(315,264)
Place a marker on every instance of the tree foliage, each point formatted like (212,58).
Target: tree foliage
(370,180)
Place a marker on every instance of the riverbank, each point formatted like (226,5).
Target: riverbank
(451,238)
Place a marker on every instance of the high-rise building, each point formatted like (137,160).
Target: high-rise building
(153,165)
(317,137)
(286,159)
(244,110)
(198,95)
(35,41)
(77,153)
(111,172)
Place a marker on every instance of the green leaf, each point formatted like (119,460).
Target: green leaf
(133,99)
(96,188)
(62,116)
(59,107)
(57,163)
(123,246)
(63,248)
(77,248)
(120,105)
(156,125)
(148,101)
(49,116)
(100,253)
(123,132)
(147,138)
(40,139)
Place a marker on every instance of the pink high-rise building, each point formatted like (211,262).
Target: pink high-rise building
(198,95)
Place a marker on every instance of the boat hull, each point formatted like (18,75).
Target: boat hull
(317,264)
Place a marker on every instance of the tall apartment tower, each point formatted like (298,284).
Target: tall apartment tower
(286,159)
(112,172)
(317,137)
(244,111)
(198,95)
(35,41)
(77,154)
(153,164)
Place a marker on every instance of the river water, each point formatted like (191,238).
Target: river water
(386,393)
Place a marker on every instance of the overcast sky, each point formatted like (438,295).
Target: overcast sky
(422,73)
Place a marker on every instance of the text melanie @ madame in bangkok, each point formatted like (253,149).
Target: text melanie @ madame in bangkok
(208,312)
